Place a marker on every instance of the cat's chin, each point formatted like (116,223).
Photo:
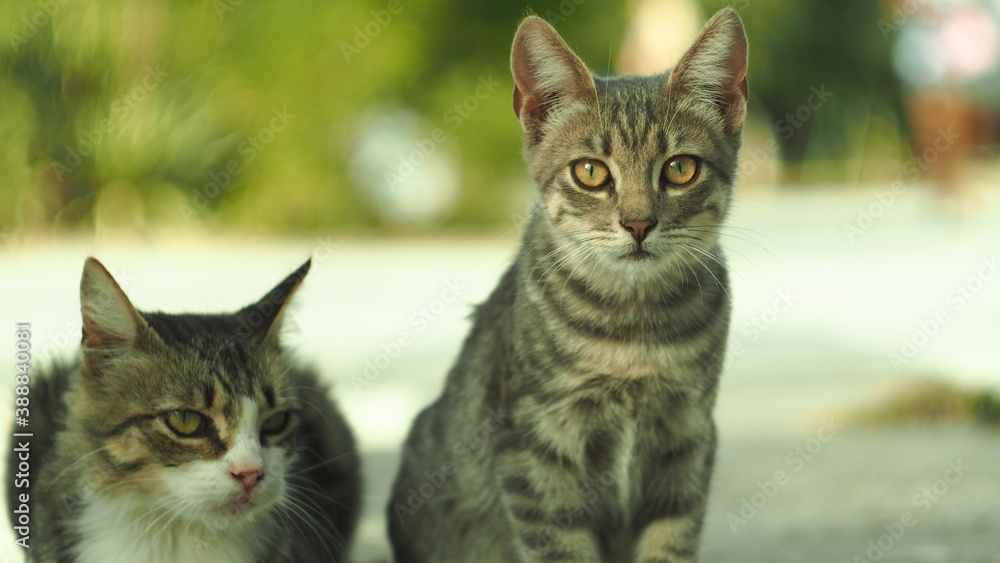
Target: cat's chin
(240,505)
(243,506)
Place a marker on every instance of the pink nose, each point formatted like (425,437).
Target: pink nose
(639,229)
(247,478)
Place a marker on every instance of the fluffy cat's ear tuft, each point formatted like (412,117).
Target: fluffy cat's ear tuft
(109,320)
(265,315)
(548,76)
(713,71)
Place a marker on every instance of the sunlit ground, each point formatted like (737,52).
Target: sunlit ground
(822,324)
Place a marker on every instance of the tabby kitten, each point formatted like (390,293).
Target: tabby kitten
(577,422)
(187,438)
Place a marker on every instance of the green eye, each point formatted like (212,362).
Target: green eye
(275,423)
(186,423)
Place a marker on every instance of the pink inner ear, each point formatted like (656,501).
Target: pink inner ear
(737,67)
(738,92)
(525,84)
(98,335)
(91,336)
(526,105)
(109,319)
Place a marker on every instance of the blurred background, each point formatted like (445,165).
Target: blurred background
(203,149)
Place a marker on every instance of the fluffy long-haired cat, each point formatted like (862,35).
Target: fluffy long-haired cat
(186,438)
(576,425)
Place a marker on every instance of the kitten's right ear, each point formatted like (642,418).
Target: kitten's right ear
(713,71)
(109,319)
(548,77)
(266,314)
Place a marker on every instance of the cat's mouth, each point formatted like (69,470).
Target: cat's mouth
(638,255)
(238,506)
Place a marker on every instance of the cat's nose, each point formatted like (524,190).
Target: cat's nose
(248,478)
(639,228)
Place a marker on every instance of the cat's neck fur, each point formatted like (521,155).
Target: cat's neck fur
(591,319)
(116,529)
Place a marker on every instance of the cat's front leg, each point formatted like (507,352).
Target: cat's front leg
(675,511)
(542,502)
(670,540)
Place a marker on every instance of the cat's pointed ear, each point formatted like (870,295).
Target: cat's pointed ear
(110,321)
(713,71)
(265,315)
(548,77)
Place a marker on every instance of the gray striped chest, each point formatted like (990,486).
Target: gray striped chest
(617,429)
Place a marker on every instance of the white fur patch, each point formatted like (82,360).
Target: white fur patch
(625,456)
(122,531)
(189,523)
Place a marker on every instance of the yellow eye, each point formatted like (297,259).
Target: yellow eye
(591,174)
(680,170)
(275,423)
(186,423)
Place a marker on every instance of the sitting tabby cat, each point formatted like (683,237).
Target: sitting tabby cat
(577,422)
(187,438)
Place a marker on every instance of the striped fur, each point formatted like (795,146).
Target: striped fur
(576,424)
(115,483)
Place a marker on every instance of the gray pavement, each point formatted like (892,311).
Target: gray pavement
(888,495)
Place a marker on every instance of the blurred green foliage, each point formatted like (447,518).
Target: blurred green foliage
(153,114)
(920,401)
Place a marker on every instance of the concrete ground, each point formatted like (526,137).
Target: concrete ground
(825,319)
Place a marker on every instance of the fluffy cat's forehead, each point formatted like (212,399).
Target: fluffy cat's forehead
(225,378)
(224,341)
(204,387)
(634,112)
(209,360)
(631,88)
(194,330)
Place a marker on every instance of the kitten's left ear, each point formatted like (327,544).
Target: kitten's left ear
(714,70)
(265,315)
